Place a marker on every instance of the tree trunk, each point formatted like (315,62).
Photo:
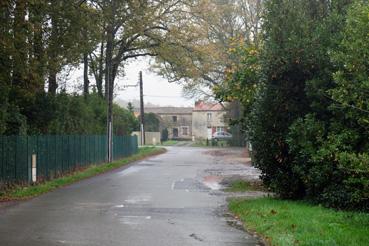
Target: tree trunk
(53,85)
(52,56)
(5,46)
(20,44)
(86,82)
(109,60)
(99,80)
(109,86)
(38,63)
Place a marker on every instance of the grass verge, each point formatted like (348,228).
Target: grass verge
(169,143)
(282,223)
(25,192)
(242,186)
(210,143)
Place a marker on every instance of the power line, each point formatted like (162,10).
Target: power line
(164,96)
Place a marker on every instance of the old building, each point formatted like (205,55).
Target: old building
(208,118)
(177,120)
(200,122)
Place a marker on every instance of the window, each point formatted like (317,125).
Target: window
(209,116)
(174,118)
(220,129)
(185,131)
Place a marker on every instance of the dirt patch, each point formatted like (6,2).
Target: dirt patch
(256,184)
(230,155)
(217,153)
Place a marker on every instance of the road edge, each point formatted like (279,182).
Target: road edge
(22,193)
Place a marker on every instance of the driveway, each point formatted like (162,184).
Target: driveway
(173,199)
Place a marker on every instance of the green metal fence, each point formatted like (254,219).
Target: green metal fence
(56,154)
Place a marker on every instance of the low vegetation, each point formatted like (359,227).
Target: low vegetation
(283,222)
(169,142)
(243,186)
(210,143)
(24,192)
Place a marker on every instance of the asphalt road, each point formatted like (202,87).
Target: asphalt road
(172,199)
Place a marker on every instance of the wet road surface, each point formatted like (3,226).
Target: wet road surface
(172,199)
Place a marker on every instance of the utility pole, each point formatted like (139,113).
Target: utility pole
(110,119)
(109,96)
(142,118)
(110,81)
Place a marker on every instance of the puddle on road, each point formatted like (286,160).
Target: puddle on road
(189,185)
(213,182)
(138,199)
(130,170)
(119,206)
(133,220)
(92,205)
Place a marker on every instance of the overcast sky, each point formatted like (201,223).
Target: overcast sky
(157,90)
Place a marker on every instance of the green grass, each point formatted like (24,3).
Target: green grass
(169,142)
(202,143)
(297,223)
(24,192)
(199,143)
(241,186)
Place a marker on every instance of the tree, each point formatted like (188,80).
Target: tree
(152,123)
(270,82)
(351,91)
(38,39)
(199,62)
(332,141)
(124,121)
(164,134)
(130,30)
(5,61)
(130,108)
(67,40)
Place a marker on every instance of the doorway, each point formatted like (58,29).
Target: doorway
(175,132)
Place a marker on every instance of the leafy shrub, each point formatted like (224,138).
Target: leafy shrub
(333,173)
(308,120)
(331,149)
(164,135)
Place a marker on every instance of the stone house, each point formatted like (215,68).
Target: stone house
(208,118)
(178,120)
(200,122)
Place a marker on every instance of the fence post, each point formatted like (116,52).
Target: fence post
(34,168)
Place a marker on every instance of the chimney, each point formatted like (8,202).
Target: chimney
(197,103)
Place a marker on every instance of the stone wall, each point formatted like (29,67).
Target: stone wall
(183,121)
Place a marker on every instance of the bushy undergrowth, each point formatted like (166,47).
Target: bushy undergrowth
(305,96)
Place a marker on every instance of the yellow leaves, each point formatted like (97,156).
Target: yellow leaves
(253,51)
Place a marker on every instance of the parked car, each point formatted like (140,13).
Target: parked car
(222,136)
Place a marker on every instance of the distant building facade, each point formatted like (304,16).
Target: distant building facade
(200,122)
(208,118)
(177,120)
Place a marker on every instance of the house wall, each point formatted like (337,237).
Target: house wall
(183,121)
(151,138)
(201,123)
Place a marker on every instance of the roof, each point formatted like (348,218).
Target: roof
(169,110)
(206,106)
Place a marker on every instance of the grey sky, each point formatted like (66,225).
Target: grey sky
(157,90)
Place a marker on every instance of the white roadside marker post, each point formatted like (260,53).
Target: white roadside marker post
(34,169)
